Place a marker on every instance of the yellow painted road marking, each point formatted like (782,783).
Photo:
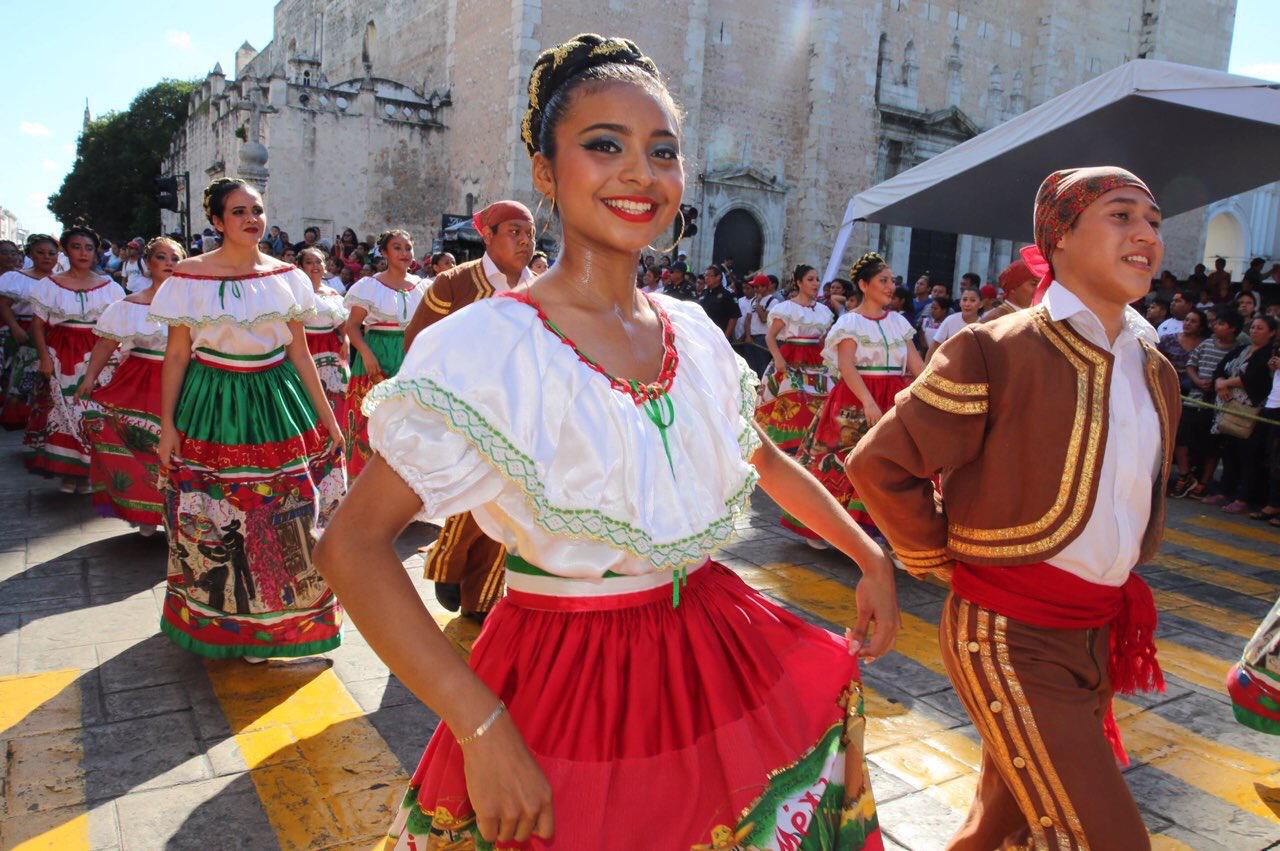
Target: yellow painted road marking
(1220,770)
(1217,617)
(1226,551)
(322,772)
(1251,585)
(40,717)
(1254,530)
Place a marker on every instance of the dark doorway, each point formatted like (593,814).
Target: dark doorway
(933,252)
(738,235)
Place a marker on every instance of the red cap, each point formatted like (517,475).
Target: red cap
(987,291)
(761,281)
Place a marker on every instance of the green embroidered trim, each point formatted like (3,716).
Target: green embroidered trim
(293,314)
(581,523)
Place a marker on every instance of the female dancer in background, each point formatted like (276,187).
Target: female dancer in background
(66,307)
(250,471)
(380,307)
(326,334)
(15,307)
(793,391)
(870,349)
(124,426)
(605,437)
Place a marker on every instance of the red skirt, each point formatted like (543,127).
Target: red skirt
(326,351)
(54,442)
(123,466)
(837,429)
(720,723)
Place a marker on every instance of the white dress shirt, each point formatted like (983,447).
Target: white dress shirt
(1107,549)
(498,280)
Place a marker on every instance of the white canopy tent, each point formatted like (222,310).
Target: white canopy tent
(1193,134)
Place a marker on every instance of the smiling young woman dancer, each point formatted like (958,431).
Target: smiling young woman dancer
(66,307)
(250,471)
(326,334)
(379,308)
(123,427)
(606,438)
(870,349)
(24,366)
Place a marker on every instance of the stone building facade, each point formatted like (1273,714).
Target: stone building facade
(374,113)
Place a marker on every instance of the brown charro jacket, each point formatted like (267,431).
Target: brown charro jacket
(1013,413)
(453,289)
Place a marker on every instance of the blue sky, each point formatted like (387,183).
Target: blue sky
(108,52)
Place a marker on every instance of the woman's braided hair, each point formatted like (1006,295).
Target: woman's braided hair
(867,267)
(584,57)
(215,195)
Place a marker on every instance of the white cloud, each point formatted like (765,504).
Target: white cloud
(50,165)
(32,128)
(1264,70)
(179,39)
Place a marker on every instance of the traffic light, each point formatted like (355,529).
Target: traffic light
(688,213)
(167,193)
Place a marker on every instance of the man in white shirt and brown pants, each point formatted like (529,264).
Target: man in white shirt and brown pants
(1046,618)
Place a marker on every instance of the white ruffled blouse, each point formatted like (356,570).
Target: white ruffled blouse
(330,311)
(16,287)
(128,323)
(566,471)
(244,315)
(386,306)
(801,321)
(882,343)
(59,305)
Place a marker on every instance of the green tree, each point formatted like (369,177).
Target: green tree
(119,154)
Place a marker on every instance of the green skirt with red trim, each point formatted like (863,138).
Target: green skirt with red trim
(388,347)
(255,480)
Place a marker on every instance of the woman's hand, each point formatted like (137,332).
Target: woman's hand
(20,336)
(779,367)
(46,366)
(372,367)
(878,605)
(169,446)
(84,388)
(873,412)
(508,790)
(335,432)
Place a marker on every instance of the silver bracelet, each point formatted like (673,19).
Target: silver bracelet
(486,724)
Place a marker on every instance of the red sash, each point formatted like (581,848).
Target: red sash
(1045,596)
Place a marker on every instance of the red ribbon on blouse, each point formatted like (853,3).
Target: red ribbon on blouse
(1048,597)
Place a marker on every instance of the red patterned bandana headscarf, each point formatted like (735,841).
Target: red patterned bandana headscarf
(1061,199)
(499,212)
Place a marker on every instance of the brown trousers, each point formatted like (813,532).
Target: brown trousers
(1038,698)
(463,555)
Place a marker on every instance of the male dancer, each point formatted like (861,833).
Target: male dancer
(468,567)
(1018,283)
(1058,408)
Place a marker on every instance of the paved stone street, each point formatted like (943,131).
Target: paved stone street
(114,738)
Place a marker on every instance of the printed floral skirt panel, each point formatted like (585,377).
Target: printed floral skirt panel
(1254,681)
(122,434)
(54,444)
(791,400)
(256,479)
(832,435)
(326,351)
